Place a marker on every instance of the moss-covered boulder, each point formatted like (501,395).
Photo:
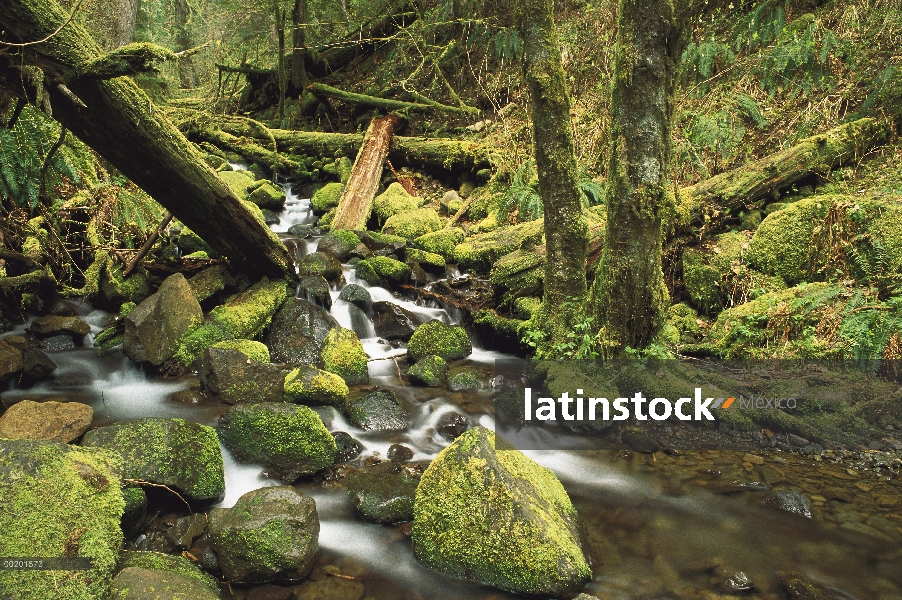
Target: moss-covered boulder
(318,263)
(365,272)
(381,242)
(716,275)
(492,515)
(429,371)
(171,452)
(326,197)
(270,534)
(137,583)
(394,200)
(244,316)
(387,269)
(343,354)
(449,342)
(190,576)
(338,244)
(58,500)
(383,494)
(520,273)
(824,236)
(155,327)
(234,378)
(210,281)
(413,223)
(378,411)
(267,195)
(241,182)
(311,386)
(252,350)
(481,251)
(287,438)
(427,260)
(441,242)
(298,332)
(463,378)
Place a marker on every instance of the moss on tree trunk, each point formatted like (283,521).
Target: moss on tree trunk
(629,292)
(566,231)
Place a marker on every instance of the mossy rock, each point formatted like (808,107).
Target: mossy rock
(253,350)
(343,354)
(241,182)
(487,513)
(171,452)
(526,307)
(58,500)
(210,281)
(520,273)
(267,195)
(429,371)
(311,386)
(378,411)
(441,242)
(393,201)
(438,339)
(357,295)
(365,272)
(465,378)
(338,244)
(287,438)
(715,274)
(427,260)
(271,534)
(318,263)
(315,289)
(244,316)
(376,241)
(326,197)
(387,269)
(136,583)
(167,563)
(117,289)
(235,379)
(155,327)
(414,223)
(481,251)
(298,332)
(382,495)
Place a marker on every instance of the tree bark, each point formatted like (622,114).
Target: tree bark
(187,76)
(119,121)
(630,295)
(298,45)
(282,76)
(112,22)
(566,230)
(357,197)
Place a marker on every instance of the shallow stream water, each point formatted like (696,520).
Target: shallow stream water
(657,526)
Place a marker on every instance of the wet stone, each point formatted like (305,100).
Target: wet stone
(61,308)
(739,582)
(11,361)
(640,442)
(347,448)
(792,502)
(399,453)
(316,289)
(383,495)
(58,343)
(269,592)
(393,322)
(452,425)
(379,411)
(52,421)
(357,295)
(55,325)
(36,365)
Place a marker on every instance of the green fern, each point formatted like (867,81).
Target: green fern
(522,195)
(748,106)
(507,43)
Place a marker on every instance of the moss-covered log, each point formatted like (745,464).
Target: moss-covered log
(710,200)
(566,231)
(357,199)
(252,151)
(327,91)
(630,295)
(120,122)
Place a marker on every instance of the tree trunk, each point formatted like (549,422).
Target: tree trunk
(357,198)
(283,78)
(387,104)
(629,292)
(298,45)
(187,76)
(112,22)
(119,121)
(566,231)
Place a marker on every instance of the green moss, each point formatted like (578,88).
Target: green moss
(343,354)
(58,500)
(108,338)
(309,385)
(423,257)
(386,239)
(385,268)
(365,272)
(481,251)
(484,511)
(520,273)
(267,195)
(429,371)
(156,561)
(326,197)
(116,288)
(256,211)
(441,242)
(393,201)
(319,263)
(171,452)
(414,223)
(436,338)
(243,316)
(126,309)
(288,438)
(241,182)
(526,307)
(210,281)
(256,351)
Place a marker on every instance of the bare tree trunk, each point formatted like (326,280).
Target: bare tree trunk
(187,76)
(283,78)
(357,198)
(566,231)
(298,45)
(111,22)
(629,291)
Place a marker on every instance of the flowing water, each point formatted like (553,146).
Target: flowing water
(654,527)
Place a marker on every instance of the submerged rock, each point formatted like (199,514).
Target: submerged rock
(309,385)
(494,516)
(379,411)
(298,331)
(393,322)
(58,500)
(236,379)
(383,495)
(796,503)
(436,338)
(429,371)
(270,534)
(155,327)
(290,439)
(452,425)
(52,421)
(171,452)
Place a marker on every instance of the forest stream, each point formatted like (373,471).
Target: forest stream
(657,525)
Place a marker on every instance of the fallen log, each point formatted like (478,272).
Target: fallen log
(709,201)
(327,91)
(118,120)
(357,198)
